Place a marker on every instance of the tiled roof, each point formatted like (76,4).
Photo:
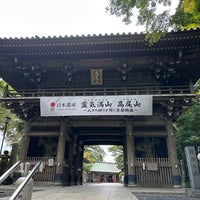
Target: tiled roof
(105,167)
(36,37)
(83,46)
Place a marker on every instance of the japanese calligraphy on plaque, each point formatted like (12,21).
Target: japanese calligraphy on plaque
(96,76)
(96,105)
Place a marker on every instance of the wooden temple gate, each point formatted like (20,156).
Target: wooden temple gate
(103,68)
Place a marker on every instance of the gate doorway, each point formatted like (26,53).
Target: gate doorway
(147,151)
(84,137)
(105,164)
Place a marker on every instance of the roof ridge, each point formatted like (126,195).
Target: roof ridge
(89,35)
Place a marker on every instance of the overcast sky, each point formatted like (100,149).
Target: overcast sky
(21,18)
(27,18)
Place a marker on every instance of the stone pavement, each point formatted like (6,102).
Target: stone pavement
(94,191)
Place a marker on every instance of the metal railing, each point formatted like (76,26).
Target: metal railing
(151,160)
(130,90)
(26,180)
(9,171)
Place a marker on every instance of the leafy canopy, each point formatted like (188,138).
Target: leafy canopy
(93,153)
(117,153)
(187,15)
(188,129)
(155,15)
(15,126)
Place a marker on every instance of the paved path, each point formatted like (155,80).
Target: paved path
(95,191)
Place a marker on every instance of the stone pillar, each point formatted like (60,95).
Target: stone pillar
(193,169)
(14,153)
(60,154)
(24,142)
(105,178)
(130,155)
(173,156)
(114,178)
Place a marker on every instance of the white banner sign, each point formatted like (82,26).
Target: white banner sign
(96,105)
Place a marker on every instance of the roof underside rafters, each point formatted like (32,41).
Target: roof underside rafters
(30,57)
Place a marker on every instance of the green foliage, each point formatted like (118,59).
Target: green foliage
(15,130)
(188,129)
(188,133)
(197,86)
(155,15)
(97,153)
(93,153)
(156,23)
(15,126)
(2,86)
(117,153)
(187,15)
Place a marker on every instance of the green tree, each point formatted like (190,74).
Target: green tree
(187,134)
(117,153)
(15,126)
(155,15)
(188,129)
(93,153)
(187,15)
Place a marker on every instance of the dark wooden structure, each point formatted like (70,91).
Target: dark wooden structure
(100,66)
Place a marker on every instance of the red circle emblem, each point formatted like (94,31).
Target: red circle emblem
(52,104)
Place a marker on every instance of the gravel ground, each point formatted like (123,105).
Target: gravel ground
(163,197)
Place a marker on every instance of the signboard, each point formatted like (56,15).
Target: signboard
(96,105)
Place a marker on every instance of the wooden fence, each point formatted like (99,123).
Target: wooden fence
(47,170)
(155,172)
(151,172)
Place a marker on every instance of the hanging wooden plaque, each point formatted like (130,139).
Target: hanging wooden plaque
(96,76)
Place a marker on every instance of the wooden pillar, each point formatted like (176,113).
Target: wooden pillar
(66,166)
(75,158)
(60,154)
(173,156)
(72,159)
(73,163)
(80,164)
(24,142)
(125,162)
(131,178)
(76,164)
(69,165)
